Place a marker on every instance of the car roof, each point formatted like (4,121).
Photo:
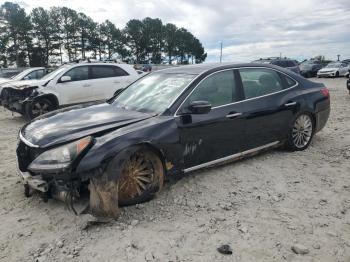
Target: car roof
(208,67)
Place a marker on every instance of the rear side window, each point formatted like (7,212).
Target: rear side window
(260,81)
(106,71)
(289,81)
(78,73)
(218,89)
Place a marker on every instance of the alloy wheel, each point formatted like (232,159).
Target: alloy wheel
(136,177)
(302,131)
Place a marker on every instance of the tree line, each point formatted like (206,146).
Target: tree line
(45,36)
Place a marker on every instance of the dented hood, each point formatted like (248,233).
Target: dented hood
(4,80)
(72,123)
(21,84)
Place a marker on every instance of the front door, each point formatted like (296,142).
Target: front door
(78,90)
(219,133)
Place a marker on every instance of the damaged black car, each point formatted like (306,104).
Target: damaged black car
(168,123)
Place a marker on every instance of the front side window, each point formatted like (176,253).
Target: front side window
(153,93)
(218,89)
(78,73)
(260,81)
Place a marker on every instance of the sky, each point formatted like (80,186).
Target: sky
(248,29)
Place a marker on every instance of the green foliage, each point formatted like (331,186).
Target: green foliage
(44,36)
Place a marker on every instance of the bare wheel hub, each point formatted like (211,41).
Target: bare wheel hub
(40,108)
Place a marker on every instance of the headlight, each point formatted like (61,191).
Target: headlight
(61,157)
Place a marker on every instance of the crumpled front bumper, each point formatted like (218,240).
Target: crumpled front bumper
(13,99)
(34,182)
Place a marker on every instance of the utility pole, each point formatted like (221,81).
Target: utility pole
(220,51)
(338,57)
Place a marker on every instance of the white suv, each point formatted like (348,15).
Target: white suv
(67,85)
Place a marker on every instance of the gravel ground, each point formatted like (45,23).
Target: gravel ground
(262,207)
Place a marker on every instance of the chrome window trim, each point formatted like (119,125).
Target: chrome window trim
(25,141)
(231,157)
(253,98)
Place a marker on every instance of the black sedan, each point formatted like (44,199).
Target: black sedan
(310,68)
(167,123)
(348,82)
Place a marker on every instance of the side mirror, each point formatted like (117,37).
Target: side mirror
(26,78)
(65,79)
(199,107)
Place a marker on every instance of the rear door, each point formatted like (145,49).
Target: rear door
(107,79)
(268,107)
(77,90)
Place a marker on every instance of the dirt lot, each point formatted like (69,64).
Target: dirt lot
(260,206)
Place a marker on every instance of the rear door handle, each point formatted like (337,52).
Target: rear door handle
(232,115)
(290,104)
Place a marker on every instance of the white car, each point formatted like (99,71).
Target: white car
(334,69)
(28,74)
(67,85)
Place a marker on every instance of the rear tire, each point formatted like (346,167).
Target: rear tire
(301,132)
(337,74)
(38,107)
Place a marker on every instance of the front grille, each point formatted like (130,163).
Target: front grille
(25,155)
(10,94)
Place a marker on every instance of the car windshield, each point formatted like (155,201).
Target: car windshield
(153,93)
(21,75)
(330,65)
(54,73)
(307,64)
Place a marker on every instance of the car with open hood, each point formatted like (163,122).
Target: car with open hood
(68,85)
(166,124)
(334,69)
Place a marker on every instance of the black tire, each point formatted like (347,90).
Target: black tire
(151,163)
(337,74)
(38,107)
(292,143)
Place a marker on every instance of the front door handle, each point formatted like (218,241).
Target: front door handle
(86,85)
(290,104)
(232,115)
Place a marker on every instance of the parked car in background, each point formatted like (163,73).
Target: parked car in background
(27,74)
(146,68)
(8,73)
(310,68)
(348,82)
(346,61)
(282,62)
(334,69)
(68,85)
(165,124)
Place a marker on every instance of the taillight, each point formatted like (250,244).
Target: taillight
(325,91)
